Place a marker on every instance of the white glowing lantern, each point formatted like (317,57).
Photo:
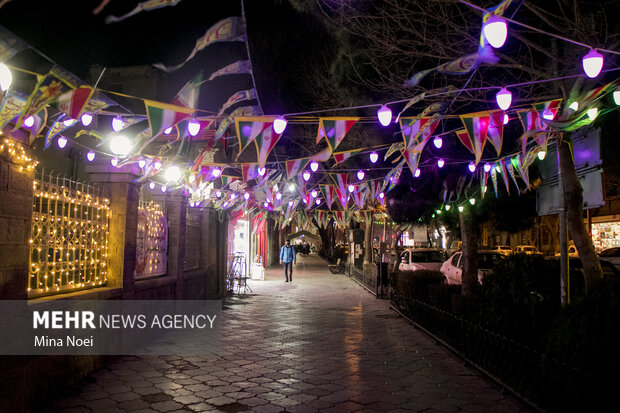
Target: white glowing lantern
(318,202)
(306,175)
(141,163)
(278,196)
(575,106)
(279,124)
(385,115)
(592,63)
(87,118)
(472,167)
(616,95)
(265,204)
(246,196)
(360,174)
(62,142)
(472,201)
(541,155)
(172,173)
(313,193)
(152,185)
(448,207)
(504,98)
(290,203)
(461,208)
(291,187)
(69,122)
(168,131)
(374,157)
(114,162)
(314,166)
(438,142)
(548,114)
(6,78)
(218,194)
(157,165)
(417,173)
(592,113)
(261,171)
(381,195)
(506,119)
(163,188)
(120,145)
(441,163)
(351,188)
(193,127)
(90,156)
(216,172)
(495,31)
(117,123)
(29,121)
(487,167)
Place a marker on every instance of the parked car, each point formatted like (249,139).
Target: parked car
(453,267)
(572,251)
(502,249)
(454,247)
(527,249)
(612,255)
(413,259)
(576,267)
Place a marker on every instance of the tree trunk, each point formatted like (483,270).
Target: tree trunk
(573,195)
(368,243)
(469,260)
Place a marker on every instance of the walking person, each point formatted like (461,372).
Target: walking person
(288,257)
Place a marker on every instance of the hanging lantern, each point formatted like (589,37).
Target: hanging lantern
(472,201)
(592,113)
(141,163)
(314,166)
(279,124)
(6,78)
(216,172)
(417,173)
(246,196)
(87,118)
(487,167)
(592,63)
(503,98)
(374,156)
(385,115)
(261,171)
(29,121)
(290,203)
(440,163)
(278,196)
(218,194)
(447,207)
(163,188)
(575,106)
(117,123)
(495,31)
(90,156)
(313,193)
(351,188)
(306,175)
(168,131)
(616,95)
(548,114)
(506,119)
(68,122)
(62,142)
(193,127)
(461,208)
(472,167)
(381,195)
(360,174)
(114,162)
(318,202)
(152,185)
(438,142)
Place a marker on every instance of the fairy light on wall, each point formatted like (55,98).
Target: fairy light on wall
(69,238)
(16,153)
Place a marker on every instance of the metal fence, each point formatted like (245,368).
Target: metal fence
(513,365)
(151,241)
(69,237)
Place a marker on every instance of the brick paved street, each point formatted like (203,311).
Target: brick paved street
(320,343)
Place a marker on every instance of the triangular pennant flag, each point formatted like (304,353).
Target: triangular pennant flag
(49,87)
(465,140)
(13,103)
(328,193)
(295,165)
(342,197)
(511,172)
(359,197)
(264,144)
(227,30)
(144,6)
(249,171)
(418,129)
(244,111)
(477,125)
(343,156)
(55,129)
(10,44)
(339,218)
(395,147)
(484,176)
(334,129)
(522,169)
(495,132)
(504,173)
(341,182)
(322,156)
(374,187)
(236,98)
(188,95)
(236,68)
(391,179)
(494,180)
(249,127)
(163,115)
(73,102)
(412,159)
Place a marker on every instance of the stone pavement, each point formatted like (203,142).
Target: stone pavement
(321,343)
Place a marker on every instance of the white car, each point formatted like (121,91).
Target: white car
(527,249)
(502,249)
(572,251)
(612,255)
(453,267)
(413,259)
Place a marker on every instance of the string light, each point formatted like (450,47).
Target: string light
(29,121)
(472,201)
(6,78)
(351,188)
(503,98)
(592,63)
(90,156)
(441,163)
(374,157)
(152,185)
(87,118)
(61,142)
(360,174)
(417,173)
(385,115)
(314,166)
(193,127)
(487,167)
(279,124)
(592,113)
(117,123)
(472,167)
(438,142)
(306,176)
(495,31)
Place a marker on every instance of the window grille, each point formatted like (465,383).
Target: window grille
(152,241)
(69,238)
